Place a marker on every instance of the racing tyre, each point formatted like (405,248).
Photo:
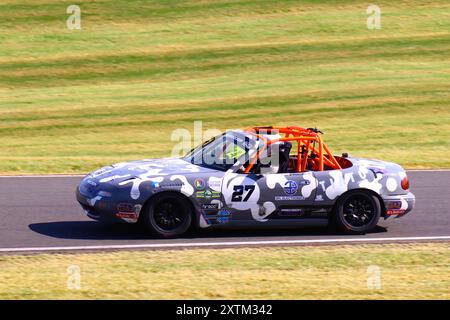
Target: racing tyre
(357,212)
(167,215)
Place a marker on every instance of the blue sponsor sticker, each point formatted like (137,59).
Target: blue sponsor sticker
(223,219)
(155,184)
(290,187)
(223,213)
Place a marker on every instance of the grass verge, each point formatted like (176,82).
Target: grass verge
(407,271)
(73,100)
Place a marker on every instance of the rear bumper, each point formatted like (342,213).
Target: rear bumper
(399,205)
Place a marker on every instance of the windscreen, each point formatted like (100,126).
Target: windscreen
(223,151)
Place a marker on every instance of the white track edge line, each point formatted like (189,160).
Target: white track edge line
(218,244)
(428,170)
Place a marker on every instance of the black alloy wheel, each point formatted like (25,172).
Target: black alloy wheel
(357,212)
(168,215)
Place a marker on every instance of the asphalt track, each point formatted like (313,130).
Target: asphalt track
(39,213)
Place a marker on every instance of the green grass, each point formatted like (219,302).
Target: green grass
(73,100)
(407,271)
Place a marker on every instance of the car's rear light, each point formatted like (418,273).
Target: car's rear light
(405,183)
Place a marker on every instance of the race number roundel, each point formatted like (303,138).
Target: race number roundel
(241,193)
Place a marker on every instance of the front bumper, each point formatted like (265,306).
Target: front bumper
(107,209)
(97,208)
(399,205)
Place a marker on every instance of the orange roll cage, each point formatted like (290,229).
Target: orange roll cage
(308,154)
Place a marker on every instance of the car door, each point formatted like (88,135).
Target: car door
(241,194)
(287,194)
(257,196)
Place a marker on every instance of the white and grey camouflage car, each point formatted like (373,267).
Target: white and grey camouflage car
(212,187)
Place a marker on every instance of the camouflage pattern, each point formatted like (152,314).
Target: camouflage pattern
(119,192)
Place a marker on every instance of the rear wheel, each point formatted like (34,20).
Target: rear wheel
(167,215)
(357,212)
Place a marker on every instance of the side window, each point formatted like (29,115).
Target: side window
(277,158)
(268,162)
(261,166)
(267,165)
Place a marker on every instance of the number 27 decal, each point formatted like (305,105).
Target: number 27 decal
(239,192)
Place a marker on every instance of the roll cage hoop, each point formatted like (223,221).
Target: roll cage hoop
(312,152)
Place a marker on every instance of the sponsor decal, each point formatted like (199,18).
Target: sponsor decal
(223,219)
(210,206)
(155,184)
(291,212)
(319,197)
(214,184)
(394,205)
(128,212)
(235,152)
(222,216)
(290,187)
(304,182)
(127,215)
(208,194)
(289,198)
(199,184)
(224,213)
(174,185)
(125,207)
(205,216)
(395,212)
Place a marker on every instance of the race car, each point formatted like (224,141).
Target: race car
(262,176)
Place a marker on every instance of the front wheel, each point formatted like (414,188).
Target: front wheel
(357,212)
(167,215)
